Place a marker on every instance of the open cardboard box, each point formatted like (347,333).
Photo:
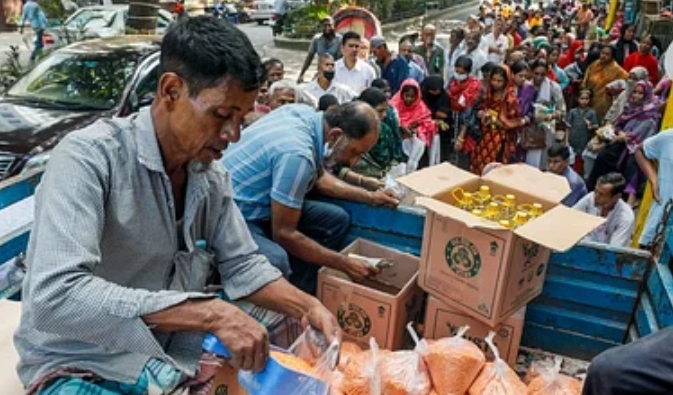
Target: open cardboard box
(482,268)
(443,320)
(380,307)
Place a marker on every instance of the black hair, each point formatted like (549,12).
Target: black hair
(373,96)
(613,50)
(460,33)
(499,70)
(272,62)
(487,68)
(586,90)
(408,88)
(623,30)
(557,150)
(324,56)
(464,62)
(519,67)
(380,83)
(615,179)
(326,101)
(539,63)
(350,35)
(352,119)
(193,48)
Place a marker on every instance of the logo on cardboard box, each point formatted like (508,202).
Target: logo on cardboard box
(530,251)
(463,257)
(354,320)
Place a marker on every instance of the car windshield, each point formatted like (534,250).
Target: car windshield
(82,80)
(91,19)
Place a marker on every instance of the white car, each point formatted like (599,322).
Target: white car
(263,10)
(97,22)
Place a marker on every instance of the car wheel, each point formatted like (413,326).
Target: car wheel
(260,22)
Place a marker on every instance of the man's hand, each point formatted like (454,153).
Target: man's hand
(246,339)
(321,319)
(359,270)
(372,183)
(300,79)
(383,197)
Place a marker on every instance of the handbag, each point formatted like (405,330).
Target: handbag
(533,137)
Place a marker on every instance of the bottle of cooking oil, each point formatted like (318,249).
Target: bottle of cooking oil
(482,197)
(520,218)
(477,213)
(509,206)
(506,223)
(493,212)
(536,210)
(468,201)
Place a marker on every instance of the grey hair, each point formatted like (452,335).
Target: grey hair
(283,84)
(300,95)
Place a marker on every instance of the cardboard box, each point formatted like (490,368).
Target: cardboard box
(482,268)
(226,383)
(379,308)
(443,320)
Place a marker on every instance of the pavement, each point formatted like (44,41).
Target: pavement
(262,40)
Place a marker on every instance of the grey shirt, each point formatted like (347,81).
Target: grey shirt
(320,46)
(104,252)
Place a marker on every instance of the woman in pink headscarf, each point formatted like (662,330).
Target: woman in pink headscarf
(415,116)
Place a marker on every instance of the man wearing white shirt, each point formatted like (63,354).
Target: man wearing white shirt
(495,44)
(350,70)
(325,84)
(455,50)
(478,56)
(606,201)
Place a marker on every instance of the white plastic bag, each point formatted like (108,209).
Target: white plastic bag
(435,151)
(497,378)
(550,381)
(413,148)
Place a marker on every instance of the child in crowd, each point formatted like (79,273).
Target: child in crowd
(583,122)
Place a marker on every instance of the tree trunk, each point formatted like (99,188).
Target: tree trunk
(142,17)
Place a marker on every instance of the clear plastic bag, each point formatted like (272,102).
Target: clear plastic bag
(453,363)
(348,349)
(547,379)
(360,374)
(305,369)
(403,373)
(497,378)
(392,175)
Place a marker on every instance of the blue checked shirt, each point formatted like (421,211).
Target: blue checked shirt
(277,158)
(104,247)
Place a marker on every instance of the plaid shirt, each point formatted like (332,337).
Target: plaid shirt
(105,245)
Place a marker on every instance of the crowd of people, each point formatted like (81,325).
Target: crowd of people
(545,85)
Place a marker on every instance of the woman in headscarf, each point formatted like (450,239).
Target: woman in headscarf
(635,75)
(552,109)
(386,153)
(415,117)
(465,92)
(602,72)
(559,75)
(626,44)
(644,57)
(568,57)
(525,94)
(437,101)
(500,122)
(638,121)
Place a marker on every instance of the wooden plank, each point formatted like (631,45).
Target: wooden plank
(17,218)
(646,321)
(407,221)
(660,288)
(563,342)
(593,277)
(597,295)
(600,258)
(577,322)
(599,312)
(18,188)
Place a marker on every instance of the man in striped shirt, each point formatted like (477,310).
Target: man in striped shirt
(282,158)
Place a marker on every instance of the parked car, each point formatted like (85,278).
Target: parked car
(71,88)
(97,22)
(263,10)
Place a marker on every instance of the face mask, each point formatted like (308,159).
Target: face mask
(460,77)
(328,153)
(488,21)
(329,75)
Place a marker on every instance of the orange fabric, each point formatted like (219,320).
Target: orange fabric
(453,364)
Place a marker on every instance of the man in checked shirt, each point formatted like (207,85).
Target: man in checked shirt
(132,217)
